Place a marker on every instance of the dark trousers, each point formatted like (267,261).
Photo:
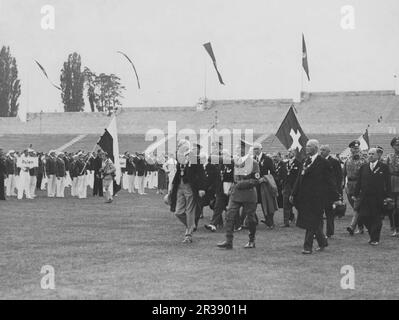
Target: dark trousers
(394,214)
(2,189)
(287,209)
(320,238)
(249,210)
(39,181)
(329,221)
(221,203)
(116,187)
(374,226)
(98,186)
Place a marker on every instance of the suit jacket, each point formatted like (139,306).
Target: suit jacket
(293,170)
(50,166)
(60,171)
(266,166)
(313,189)
(10,166)
(194,175)
(337,172)
(372,188)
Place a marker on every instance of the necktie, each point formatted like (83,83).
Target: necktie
(308,162)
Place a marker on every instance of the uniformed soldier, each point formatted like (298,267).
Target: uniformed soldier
(11,170)
(243,194)
(393,165)
(351,173)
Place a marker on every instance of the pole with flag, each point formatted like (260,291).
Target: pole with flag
(364,144)
(305,64)
(109,144)
(291,134)
(208,48)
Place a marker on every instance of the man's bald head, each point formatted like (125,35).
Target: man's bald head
(325,150)
(312,147)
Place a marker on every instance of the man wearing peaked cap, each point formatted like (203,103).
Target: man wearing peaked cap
(354,144)
(351,176)
(393,165)
(243,195)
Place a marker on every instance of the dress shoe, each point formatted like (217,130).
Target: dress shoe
(250,245)
(374,243)
(350,230)
(225,245)
(238,229)
(188,239)
(306,252)
(360,231)
(320,249)
(395,234)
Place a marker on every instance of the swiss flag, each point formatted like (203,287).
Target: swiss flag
(291,134)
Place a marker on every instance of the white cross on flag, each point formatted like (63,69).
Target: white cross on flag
(291,134)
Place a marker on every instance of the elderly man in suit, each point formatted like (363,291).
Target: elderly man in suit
(188,186)
(314,187)
(336,171)
(372,189)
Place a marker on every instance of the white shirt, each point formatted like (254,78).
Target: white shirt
(372,165)
(313,158)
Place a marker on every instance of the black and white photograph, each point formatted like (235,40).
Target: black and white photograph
(199,155)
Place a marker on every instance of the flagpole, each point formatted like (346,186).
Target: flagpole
(205,78)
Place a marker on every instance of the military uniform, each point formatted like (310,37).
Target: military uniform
(243,194)
(2,175)
(351,172)
(393,165)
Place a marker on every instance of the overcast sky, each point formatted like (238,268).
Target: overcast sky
(257,44)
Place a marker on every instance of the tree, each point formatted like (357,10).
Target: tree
(72,81)
(90,84)
(10,85)
(108,91)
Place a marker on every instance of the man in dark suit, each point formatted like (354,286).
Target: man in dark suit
(2,175)
(293,167)
(97,164)
(336,171)
(314,187)
(266,167)
(372,188)
(188,186)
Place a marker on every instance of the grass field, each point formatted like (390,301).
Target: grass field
(132,249)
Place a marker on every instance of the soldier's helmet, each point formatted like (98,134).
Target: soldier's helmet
(340,210)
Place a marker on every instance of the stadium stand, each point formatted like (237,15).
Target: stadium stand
(332,117)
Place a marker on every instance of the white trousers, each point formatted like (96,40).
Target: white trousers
(11,185)
(32,186)
(60,187)
(140,184)
(82,187)
(75,187)
(130,183)
(51,185)
(24,182)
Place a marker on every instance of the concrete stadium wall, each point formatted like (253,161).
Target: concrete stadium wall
(325,112)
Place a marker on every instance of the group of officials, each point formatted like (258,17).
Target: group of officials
(315,186)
